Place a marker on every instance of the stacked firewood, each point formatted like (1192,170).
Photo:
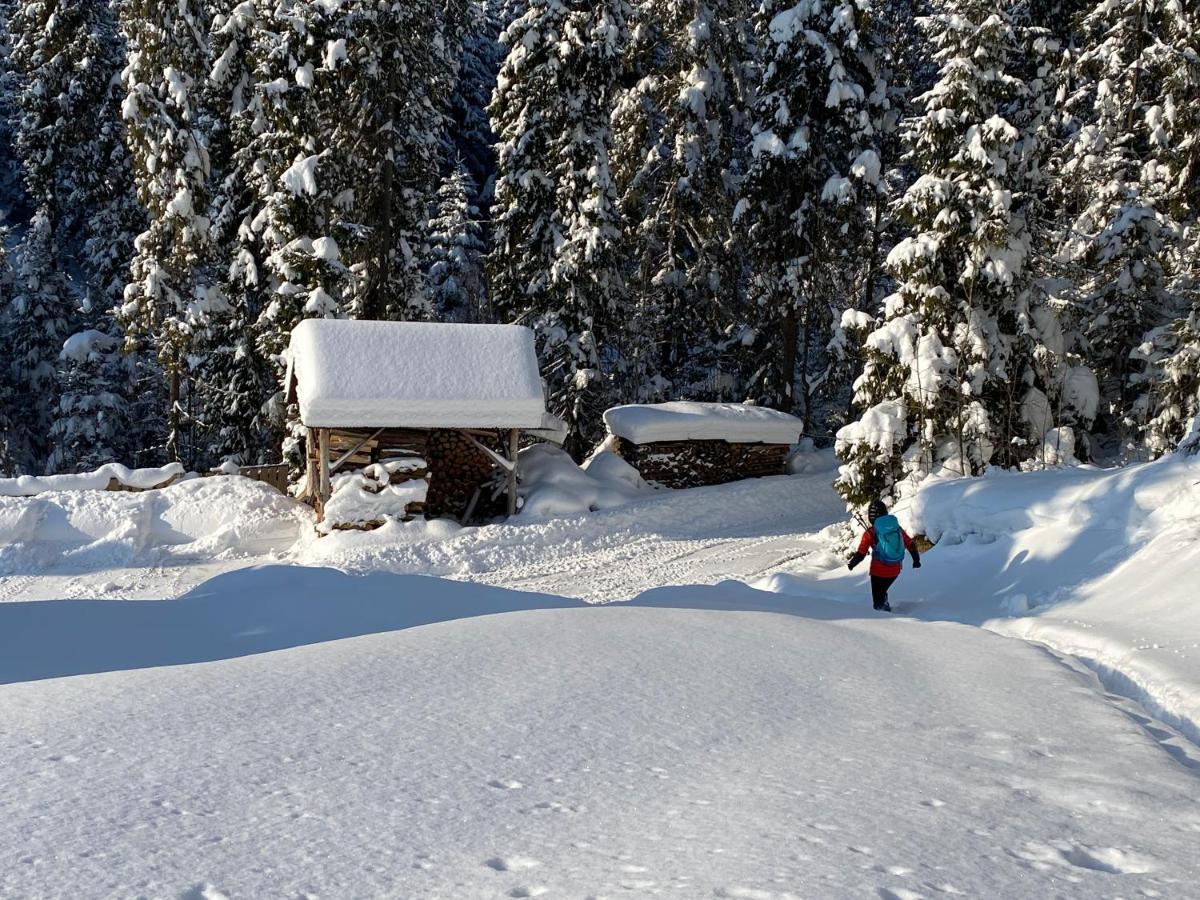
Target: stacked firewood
(683,464)
(461,475)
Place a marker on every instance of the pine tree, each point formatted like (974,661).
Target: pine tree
(555,260)
(35,322)
(456,281)
(170,289)
(816,130)
(1169,384)
(10,397)
(92,414)
(961,344)
(679,151)
(1119,247)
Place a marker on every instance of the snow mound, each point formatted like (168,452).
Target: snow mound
(142,479)
(553,485)
(684,420)
(201,516)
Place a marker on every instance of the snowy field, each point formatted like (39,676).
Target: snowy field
(288,716)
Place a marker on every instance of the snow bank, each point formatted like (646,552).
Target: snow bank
(201,516)
(683,420)
(416,375)
(553,485)
(1097,564)
(142,479)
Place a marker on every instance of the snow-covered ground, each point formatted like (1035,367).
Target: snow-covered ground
(304,717)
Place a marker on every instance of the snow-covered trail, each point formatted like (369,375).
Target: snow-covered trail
(741,531)
(608,751)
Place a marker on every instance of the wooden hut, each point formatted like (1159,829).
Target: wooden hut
(685,444)
(457,396)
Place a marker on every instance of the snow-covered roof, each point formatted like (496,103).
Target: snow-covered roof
(360,374)
(683,420)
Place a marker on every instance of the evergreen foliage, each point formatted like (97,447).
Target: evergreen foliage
(943,244)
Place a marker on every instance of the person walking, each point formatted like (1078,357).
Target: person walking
(886,541)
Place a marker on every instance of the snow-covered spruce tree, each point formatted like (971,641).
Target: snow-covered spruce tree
(170,288)
(816,127)
(679,150)
(951,364)
(35,321)
(555,260)
(1169,386)
(92,416)
(69,137)
(236,379)
(10,397)
(1120,246)
(470,135)
(456,278)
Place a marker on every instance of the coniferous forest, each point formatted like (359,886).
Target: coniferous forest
(948,234)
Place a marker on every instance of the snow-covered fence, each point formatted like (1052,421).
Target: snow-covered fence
(684,444)
(111,477)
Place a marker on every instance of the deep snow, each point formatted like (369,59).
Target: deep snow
(356,730)
(697,750)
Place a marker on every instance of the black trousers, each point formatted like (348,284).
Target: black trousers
(879,588)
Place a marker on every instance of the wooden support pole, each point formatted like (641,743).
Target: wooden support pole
(514,438)
(310,469)
(324,490)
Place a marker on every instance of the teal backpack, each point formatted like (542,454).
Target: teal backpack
(889,541)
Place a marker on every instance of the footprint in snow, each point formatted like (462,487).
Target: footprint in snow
(1110,860)
(505,785)
(933,803)
(899,894)
(511,863)
(204,892)
(529,891)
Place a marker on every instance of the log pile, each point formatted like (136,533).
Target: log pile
(461,475)
(683,464)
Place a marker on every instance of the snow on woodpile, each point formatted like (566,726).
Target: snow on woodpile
(99,480)
(370,497)
(685,420)
(357,374)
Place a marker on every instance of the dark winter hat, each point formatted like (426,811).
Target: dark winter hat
(875,510)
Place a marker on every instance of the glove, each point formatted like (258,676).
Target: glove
(916,562)
(854,561)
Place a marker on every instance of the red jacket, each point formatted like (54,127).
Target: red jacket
(878,567)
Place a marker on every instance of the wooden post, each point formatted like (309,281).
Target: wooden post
(324,491)
(514,438)
(311,478)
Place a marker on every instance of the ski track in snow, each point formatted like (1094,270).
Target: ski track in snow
(739,531)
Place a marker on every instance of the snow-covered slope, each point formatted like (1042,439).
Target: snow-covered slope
(1103,565)
(689,752)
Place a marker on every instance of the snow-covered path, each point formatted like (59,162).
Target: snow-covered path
(741,531)
(611,751)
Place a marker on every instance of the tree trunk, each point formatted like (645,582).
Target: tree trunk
(790,338)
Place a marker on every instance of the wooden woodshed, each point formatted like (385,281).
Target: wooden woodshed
(684,444)
(457,396)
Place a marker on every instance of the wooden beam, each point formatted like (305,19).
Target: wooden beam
(514,440)
(310,468)
(349,453)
